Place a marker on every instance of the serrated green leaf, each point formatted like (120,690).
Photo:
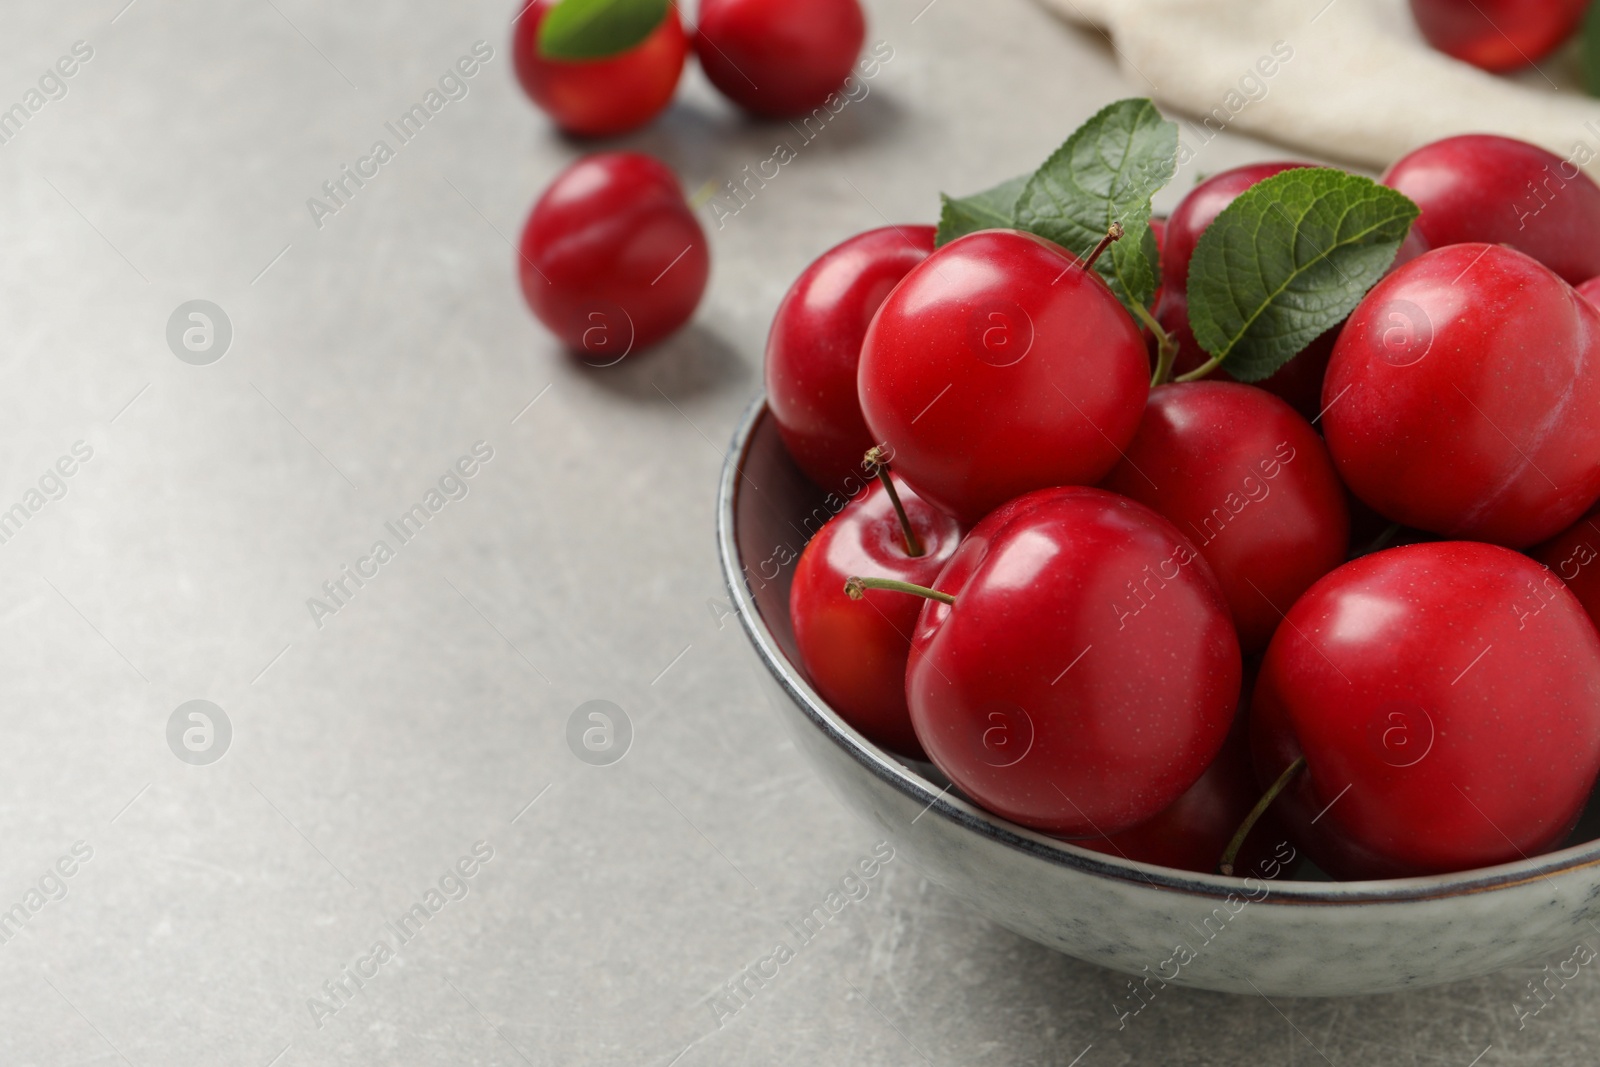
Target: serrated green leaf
(991,209)
(1152,250)
(1127,269)
(598,29)
(1106,172)
(1591,49)
(1287,261)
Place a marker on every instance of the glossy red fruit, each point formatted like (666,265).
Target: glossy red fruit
(855,652)
(1001,365)
(1498,190)
(1052,693)
(779,58)
(1498,34)
(814,347)
(600,97)
(1192,832)
(1464,397)
(612,259)
(1447,702)
(1250,483)
(1590,291)
(1574,556)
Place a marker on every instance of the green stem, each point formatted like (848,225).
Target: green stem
(856,588)
(1166,345)
(1232,852)
(875,461)
(1202,370)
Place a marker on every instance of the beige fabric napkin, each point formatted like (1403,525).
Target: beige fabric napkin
(1347,79)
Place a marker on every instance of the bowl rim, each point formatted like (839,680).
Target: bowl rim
(942,803)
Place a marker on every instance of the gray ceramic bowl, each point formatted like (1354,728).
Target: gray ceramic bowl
(1277,937)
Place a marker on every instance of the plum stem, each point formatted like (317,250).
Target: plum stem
(1113,233)
(1202,370)
(856,588)
(878,463)
(1232,852)
(1166,345)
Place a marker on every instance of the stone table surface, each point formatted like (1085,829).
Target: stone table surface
(177,912)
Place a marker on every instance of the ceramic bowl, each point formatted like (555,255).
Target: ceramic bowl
(1276,936)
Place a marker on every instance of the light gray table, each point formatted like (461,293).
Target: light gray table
(429,713)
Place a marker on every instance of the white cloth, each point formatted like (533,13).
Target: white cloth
(1361,84)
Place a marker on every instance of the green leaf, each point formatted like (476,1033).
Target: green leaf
(989,210)
(1591,49)
(1106,172)
(598,29)
(1152,251)
(1287,261)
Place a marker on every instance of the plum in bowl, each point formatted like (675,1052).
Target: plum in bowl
(1270,933)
